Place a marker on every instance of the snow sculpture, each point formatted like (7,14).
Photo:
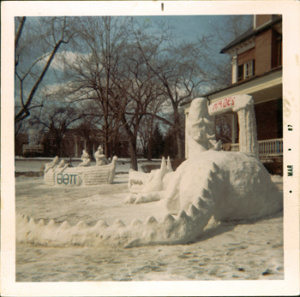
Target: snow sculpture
(200,129)
(226,185)
(100,157)
(85,159)
(244,106)
(147,187)
(51,164)
(62,175)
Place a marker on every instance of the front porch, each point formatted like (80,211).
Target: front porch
(270,154)
(267,148)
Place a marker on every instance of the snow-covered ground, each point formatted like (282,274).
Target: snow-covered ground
(251,250)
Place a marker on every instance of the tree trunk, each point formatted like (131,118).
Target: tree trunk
(133,156)
(179,145)
(132,143)
(149,153)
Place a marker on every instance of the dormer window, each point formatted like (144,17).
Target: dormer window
(246,70)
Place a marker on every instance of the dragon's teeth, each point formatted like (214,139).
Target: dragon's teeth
(31,221)
(151,220)
(136,222)
(51,223)
(101,224)
(193,211)
(183,215)
(65,225)
(119,223)
(169,219)
(206,193)
(81,225)
(202,203)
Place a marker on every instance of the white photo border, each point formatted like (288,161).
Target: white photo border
(290,11)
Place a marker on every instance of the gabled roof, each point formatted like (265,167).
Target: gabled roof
(249,33)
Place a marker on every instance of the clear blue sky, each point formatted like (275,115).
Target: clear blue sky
(189,27)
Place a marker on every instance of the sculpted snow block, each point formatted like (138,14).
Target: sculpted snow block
(62,175)
(226,185)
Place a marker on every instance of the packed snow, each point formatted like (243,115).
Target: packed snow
(248,250)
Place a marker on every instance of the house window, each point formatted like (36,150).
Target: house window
(246,70)
(279,49)
(249,69)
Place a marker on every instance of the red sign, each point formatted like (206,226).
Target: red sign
(223,103)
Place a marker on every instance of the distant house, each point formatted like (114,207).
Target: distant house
(256,58)
(21,139)
(72,145)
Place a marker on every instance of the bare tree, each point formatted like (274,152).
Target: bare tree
(35,48)
(136,95)
(56,118)
(223,32)
(180,70)
(100,43)
(109,73)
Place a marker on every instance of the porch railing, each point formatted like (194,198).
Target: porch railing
(267,148)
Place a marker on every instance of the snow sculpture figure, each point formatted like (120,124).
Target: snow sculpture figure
(85,159)
(62,175)
(226,185)
(62,166)
(100,157)
(51,164)
(147,187)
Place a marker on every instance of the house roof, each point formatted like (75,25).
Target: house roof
(245,81)
(251,32)
(206,95)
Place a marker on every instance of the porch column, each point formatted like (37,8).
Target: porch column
(234,69)
(233,128)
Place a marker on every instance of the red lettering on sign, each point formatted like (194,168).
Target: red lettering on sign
(224,103)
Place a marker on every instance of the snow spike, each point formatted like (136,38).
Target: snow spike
(135,222)
(209,183)
(163,163)
(81,225)
(64,225)
(193,211)
(213,175)
(202,204)
(206,193)
(215,168)
(119,224)
(183,215)
(101,224)
(151,220)
(169,165)
(169,219)
(31,222)
(41,222)
(51,223)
